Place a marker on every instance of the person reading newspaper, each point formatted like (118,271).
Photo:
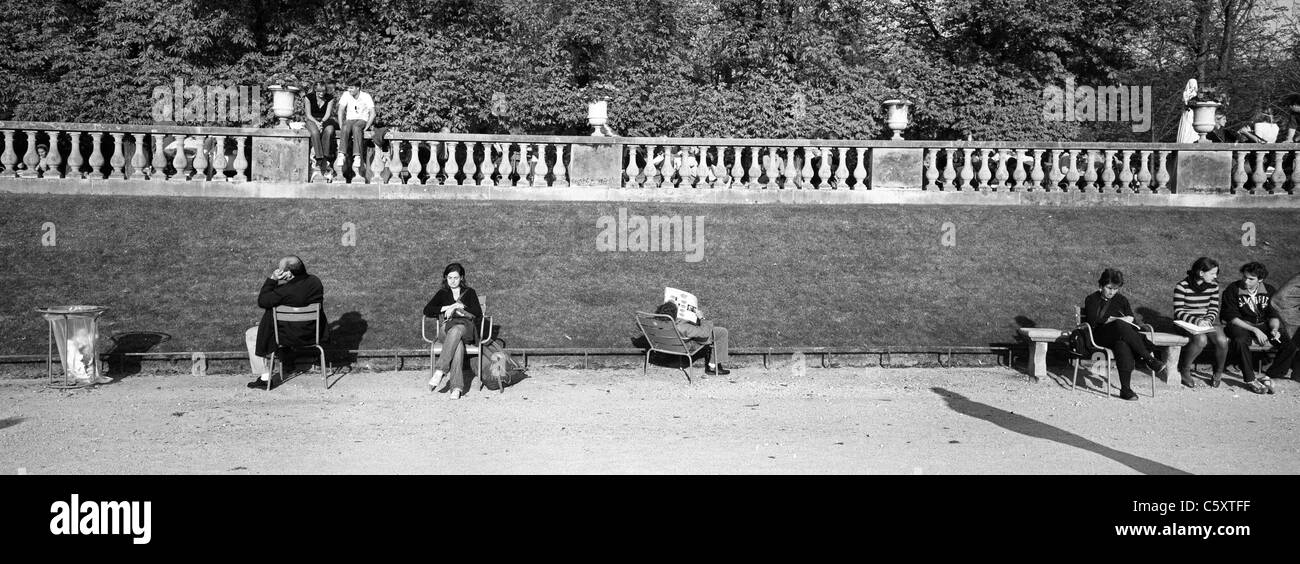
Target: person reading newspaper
(693,327)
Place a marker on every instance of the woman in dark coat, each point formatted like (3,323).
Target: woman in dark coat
(456,305)
(1113,327)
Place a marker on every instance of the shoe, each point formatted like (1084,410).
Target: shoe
(1188,380)
(1216,380)
(439,381)
(1128,395)
(1267,383)
(719,371)
(454,394)
(1257,387)
(259,384)
(356,164)
(1156,365)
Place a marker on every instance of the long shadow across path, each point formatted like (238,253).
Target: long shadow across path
(1039,430)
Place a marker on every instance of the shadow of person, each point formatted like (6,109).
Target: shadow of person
(119,364)
(1159,321)
(346,333)
(11,421)
(1039,430)
(1025,322)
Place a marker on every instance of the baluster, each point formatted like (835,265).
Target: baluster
(1258,175)
(1295,172)
(560,171)
(1055,175)
(967,171)
(30,159)
(1107,174)
(790,174)
(1162,172)
(10,158)
(1125,172)
(201,159)
(705,172)
(984,174)
(1036,176)
(433,169)
(470,168)
(157,158)
(338,165)
(1144,173)
(685,168)
(116,163)
(1071,172)
(75,157)
(1018,175)
(860,169)
(137,157)
(395,164)
(632,170)
(755,168)
(540,170)
(54,159)
(1239,172)
(220,162)
(521,165)
(377,166)
(737,174)
(806,171)
(666,168)
(1279,175)
(241,162)
(949,171)
(1001,174)
(772,165)
(931,169)
(824,171)
(503,167)
(1090,173)
(96,160)
(415,168)
(451,169)
(841,169)
(180,161)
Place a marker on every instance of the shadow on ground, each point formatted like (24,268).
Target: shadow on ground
(1039,430)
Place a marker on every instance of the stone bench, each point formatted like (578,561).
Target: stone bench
(1171,344)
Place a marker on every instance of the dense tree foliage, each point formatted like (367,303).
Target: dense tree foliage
(752,68)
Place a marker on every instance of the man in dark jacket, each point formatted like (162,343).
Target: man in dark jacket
(288,285)
(1250,317)
(701,334)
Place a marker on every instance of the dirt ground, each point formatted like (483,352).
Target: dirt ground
(560,421)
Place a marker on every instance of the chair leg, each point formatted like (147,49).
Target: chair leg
(1074,378)
(324,374)
(645,368)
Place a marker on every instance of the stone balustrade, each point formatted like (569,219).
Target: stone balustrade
(145,152)
(142,152)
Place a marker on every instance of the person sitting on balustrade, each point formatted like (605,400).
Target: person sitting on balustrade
(1291,125)
(356,113)
(318,113)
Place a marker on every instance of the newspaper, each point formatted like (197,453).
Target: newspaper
(1193,328)
(688,306)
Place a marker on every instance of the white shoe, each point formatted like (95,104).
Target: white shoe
(435,380)
(454,394)
(356,163)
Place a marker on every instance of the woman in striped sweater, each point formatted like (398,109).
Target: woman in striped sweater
(1196,301)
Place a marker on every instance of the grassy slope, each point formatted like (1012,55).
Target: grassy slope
(777,275)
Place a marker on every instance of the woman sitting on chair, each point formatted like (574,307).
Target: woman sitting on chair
(1196,301)
(457,308)
(1113,327)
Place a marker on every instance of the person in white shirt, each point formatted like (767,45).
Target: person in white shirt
(356,113)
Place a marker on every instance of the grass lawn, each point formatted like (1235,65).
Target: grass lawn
(777,275)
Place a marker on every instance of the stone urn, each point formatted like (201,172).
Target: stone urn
(896,116)
(597,116)
(282,98)
(1203,118)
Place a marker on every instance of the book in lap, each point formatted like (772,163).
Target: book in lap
(688,306)
(1192,327)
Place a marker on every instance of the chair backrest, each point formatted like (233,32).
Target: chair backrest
(424,322)
(660,332)
(306,314)
(1085,329)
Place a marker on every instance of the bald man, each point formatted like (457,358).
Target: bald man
(288,285)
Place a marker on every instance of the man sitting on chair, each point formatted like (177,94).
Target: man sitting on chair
(288,285)
(704,333)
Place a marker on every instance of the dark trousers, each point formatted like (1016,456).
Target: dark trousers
(322,139)
(1242,339)
(1286,358)
(1129,346)
(351,137)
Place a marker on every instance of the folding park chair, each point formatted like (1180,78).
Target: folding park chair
(306,314)
(661,332)
(435,344)
(1091,344)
